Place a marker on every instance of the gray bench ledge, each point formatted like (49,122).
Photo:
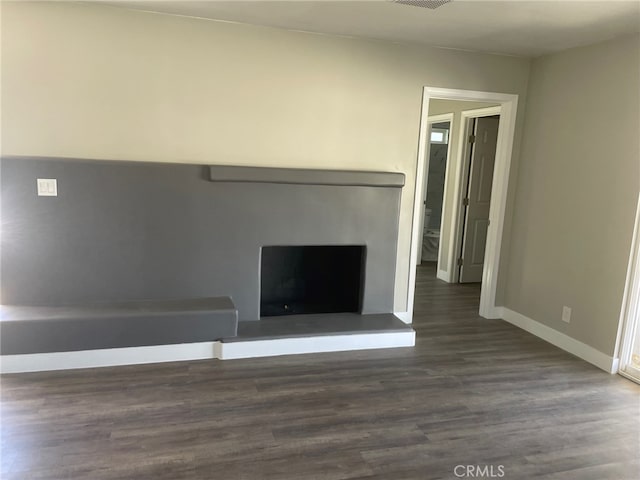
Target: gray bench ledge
(10,313)
(224,173)
(32,329)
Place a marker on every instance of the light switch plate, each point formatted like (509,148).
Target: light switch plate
(566,314)
(47,187)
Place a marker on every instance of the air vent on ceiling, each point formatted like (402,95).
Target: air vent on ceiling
(430,4)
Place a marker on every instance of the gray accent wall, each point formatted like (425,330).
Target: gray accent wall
(121,231)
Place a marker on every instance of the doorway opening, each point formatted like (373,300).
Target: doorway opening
(451,236)
(440,139)
(628,344)
(455,225)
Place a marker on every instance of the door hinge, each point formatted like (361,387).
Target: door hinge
(472,138)
(424,202)
(465,202)
(460,262)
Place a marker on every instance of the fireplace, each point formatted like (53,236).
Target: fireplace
(311,279)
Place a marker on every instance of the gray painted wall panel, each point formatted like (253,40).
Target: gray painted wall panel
(121,231)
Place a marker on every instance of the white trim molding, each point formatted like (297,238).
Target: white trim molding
(443,275)
(111,357)
(509,105)
(406,317)
(560,340)
(319,344)
(108,357)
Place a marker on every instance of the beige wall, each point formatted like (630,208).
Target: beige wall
(577,188)
(93,81)
(438,107)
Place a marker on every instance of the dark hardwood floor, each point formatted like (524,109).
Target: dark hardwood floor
(472,392)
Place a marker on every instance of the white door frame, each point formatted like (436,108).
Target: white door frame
(445,117)
(509,104)
(461,178)
(630,312)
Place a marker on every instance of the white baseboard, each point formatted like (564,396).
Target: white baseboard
(560,340)
(328,343)
(41,362)
(493,313)
(442,275)
(615,365)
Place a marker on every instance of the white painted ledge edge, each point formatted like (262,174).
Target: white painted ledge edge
(559,339)
(41,362)
(329,343)
(108,357)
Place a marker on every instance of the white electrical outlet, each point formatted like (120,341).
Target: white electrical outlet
(566,314)
(47,187)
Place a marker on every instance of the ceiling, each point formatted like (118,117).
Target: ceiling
(523,28)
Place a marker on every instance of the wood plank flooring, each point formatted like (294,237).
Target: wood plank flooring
(472,392)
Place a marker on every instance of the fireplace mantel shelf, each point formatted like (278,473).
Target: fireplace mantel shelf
(228,173)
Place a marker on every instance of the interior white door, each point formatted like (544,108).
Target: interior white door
(478,198)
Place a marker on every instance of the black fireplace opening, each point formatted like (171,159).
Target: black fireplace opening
(311,279)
